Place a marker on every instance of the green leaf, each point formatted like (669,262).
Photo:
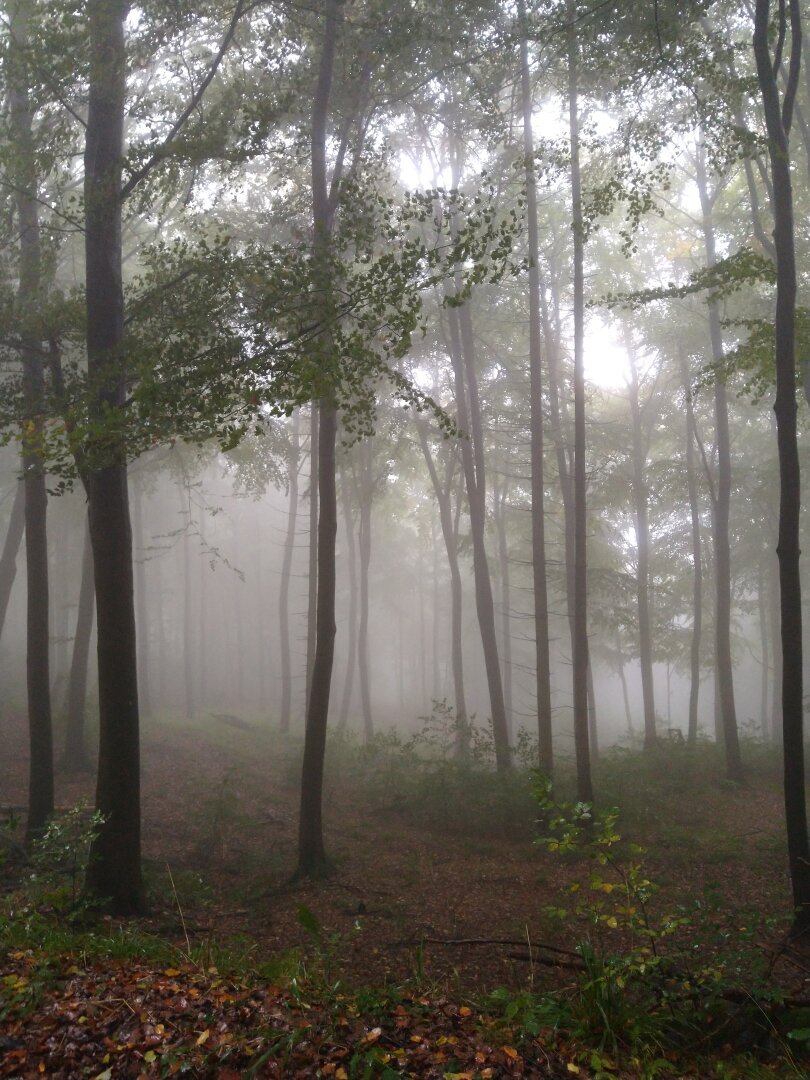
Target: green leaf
(309,920)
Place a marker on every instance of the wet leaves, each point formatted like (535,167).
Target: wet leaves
(124,1019)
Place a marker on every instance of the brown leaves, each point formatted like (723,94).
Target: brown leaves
(112,1020)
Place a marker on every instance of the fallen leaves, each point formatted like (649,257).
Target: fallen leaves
(110,1020)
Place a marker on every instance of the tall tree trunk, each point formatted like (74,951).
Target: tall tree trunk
(141,603)
(640,498)
(501,494)
(449,535)
(762,612)
(776,651)
(540,583)
(311,851)
(697,558)
(472,455)
(75,758)
(11,546)
(722,504)
(293,464)
(312,588)
(351,549)
(365,490)
(188,633)
(114,870)
(29,300)
(580,644)
(777,120)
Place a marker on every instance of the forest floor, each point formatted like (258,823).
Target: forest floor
(441,901)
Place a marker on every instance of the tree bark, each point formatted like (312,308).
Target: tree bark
(778,120)
(312,859)
(580,643)
(540,583)
(722,505)
(29,298)
(75,758)
(114,870)
(293,465)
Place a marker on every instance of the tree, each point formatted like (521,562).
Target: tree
(778,118)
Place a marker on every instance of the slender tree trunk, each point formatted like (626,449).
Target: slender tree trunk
(114,870)
(449,535)
(777,119)
(722,504)
(185,555)
(312,592)
(580,650)
(351,549)
(29,299)
(776,650)
(311,851)
(640,498)
(75,758)
(365,490)
(293,464)
(469,415)
(697,559)
(540,584)
(11,546)
(501,494)
(141,604)
(762,611)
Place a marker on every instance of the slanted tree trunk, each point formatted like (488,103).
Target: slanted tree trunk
(640,498)
(11,546)
(29,298)
(114,870)
(311,851)
(778,121)
(450,537)
(472,455)
(293,465)
(722,505)
(75,757)
(540,583)
(580,643)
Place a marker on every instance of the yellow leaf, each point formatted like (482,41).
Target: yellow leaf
(171,972)
(572,1068)
(149,1056)
(341,1074)
(510,1052)
(612,922)
(203,1037)
(373,1035)
(464,1011)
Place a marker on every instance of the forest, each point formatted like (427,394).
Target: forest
(402,427)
